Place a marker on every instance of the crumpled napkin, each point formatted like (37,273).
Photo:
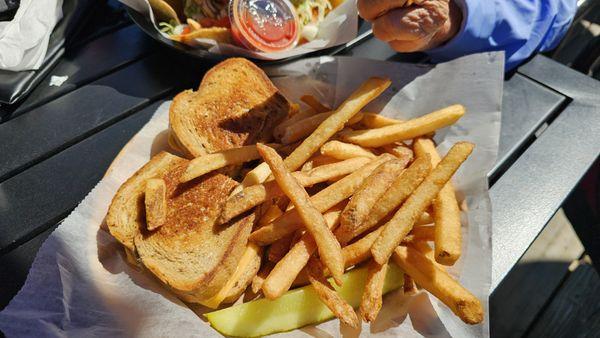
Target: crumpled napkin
(24,40)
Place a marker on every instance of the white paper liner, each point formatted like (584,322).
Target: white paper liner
(338,27)
(80,285)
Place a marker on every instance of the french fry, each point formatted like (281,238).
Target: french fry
(404,219)
(280,248)
(366,93)
(365,197)
(424,219)
(255,176)
(448,237)
(287,268)
(207,163)
(312,102)
(329,297)
(280,128)
(155,200)
(329,249)
(323,200)
(270,215)
(194,25)
(360,250)
(374,120)
(304,127)
(400,150)
(409,287)
(422,233)
(259,279)
(407,130)
(220,34)
(317,160)
(344,151)
(435,280)
(259,193)
(371,301)
(394,196)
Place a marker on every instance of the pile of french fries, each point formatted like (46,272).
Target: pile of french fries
(352,188)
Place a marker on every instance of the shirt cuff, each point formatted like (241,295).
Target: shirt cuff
(478,21)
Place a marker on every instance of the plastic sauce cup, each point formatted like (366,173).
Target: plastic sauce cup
(264,25)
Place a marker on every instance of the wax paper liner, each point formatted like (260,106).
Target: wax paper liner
(80,284)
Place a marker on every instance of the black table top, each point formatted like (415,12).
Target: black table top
(57,143)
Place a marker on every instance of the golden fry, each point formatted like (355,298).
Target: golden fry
(255,176)
(270,215)
(344,151)
(280,128)
(329,297)
(366,93)
(435,280)
(422,233)
(448,237)
(394,196)
(329,249)
(404,219)
(424,219)
(305,127)
(280,248)
(371,301)
(400,150)
(312,102)
(287,268)
(366,196)
(408,130)
(373,120)
(219,34)
(360,250)
(156,203)
(259,193)
(207,163)
(323,200)
(259,279)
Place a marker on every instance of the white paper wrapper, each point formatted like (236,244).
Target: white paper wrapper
(80,285)
(339,27)
(24,39)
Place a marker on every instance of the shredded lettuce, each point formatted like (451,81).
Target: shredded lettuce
(170,28)
(311,11)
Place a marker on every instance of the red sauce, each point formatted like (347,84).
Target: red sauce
(264,25)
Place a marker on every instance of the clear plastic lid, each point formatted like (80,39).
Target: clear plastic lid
(264,25)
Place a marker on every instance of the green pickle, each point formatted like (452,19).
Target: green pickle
(295,309)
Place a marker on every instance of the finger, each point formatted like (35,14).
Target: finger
(371,9)
(411,23)
(412,46)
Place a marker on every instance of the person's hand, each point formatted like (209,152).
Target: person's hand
(423,25)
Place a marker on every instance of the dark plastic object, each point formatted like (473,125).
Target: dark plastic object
(16,85)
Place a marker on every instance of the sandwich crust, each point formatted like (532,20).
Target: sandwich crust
(125,214)
(189,252)
(235,105)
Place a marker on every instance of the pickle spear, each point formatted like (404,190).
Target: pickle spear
(296,308)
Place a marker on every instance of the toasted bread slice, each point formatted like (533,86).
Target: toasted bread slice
(126,212)
(188,253)
(235,105)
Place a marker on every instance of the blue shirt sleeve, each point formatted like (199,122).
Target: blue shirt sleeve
(519,27)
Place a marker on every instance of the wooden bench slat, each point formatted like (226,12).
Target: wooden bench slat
(574,312)
(52,127)
(85,64)
(42,196)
